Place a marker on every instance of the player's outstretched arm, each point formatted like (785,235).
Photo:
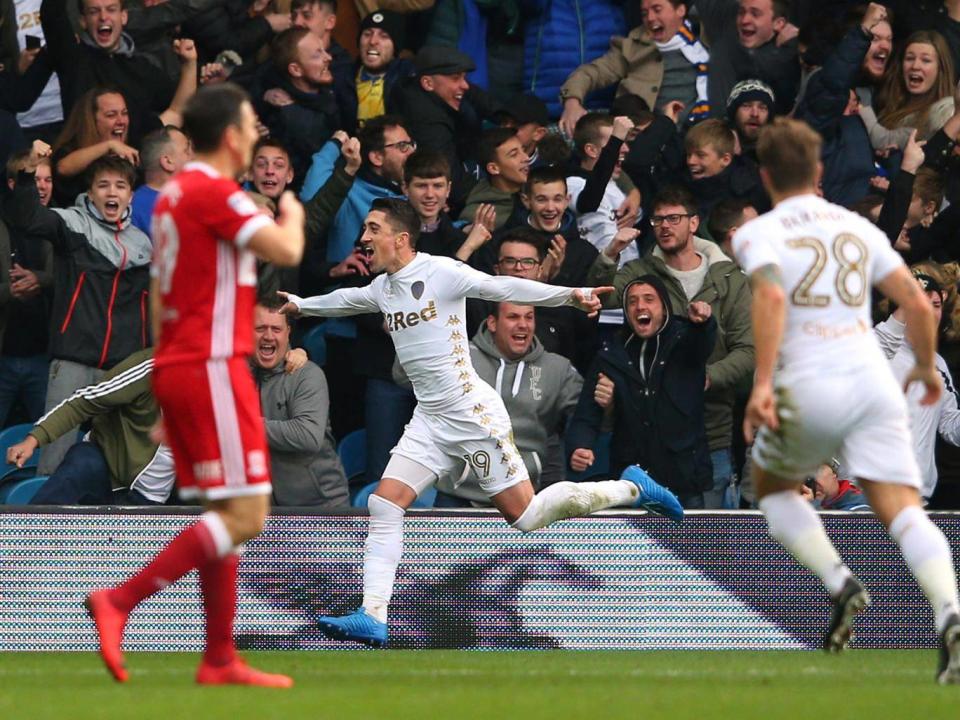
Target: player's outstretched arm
(504,288)
(282,242)
(901,287)
(768,314)
(339,303)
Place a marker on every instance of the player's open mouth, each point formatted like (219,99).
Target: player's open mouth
(373,53)
(111,206)
(656,30)
(269,184)
(747,33)
(104,32)
(120,131)
(519,337)
(696,171)
(644,320)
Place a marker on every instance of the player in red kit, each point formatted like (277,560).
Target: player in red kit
(208,234)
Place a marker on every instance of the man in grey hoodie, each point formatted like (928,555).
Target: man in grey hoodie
(539,389)
(304,463)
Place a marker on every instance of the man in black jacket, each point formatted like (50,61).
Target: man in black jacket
(307,115)
(103,54)
(444,111)
(653,385)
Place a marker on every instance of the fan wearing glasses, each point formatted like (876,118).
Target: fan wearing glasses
(521,253)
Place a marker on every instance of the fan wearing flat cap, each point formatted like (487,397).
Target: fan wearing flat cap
(444,111)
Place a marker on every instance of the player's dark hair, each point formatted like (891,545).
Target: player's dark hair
(372,133)
(527,236)
(675,195)
(424,163)
(490,140)
(211,110)
(111,164)
(401,216)
(544,175)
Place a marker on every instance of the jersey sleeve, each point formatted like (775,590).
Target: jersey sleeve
(505,288)
(231,214)
(753,249)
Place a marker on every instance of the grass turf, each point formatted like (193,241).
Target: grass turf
(450,684)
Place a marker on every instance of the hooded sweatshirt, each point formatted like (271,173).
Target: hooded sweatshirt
(101,277)
(658,400)
(540,391)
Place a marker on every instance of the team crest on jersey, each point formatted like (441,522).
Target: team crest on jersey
(417,289)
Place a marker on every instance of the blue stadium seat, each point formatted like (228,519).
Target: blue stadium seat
(424,501)
(22,492)
(360,499)
(601,462)
(426,498)
(315,343)
(353,453)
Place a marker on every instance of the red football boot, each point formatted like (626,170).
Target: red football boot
(110,623)
(239,673)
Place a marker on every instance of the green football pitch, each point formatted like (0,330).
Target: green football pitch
(450,684)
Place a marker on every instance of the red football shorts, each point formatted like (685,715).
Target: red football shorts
(211,413)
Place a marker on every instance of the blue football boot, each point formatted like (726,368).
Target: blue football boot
(357,626)
(653,497)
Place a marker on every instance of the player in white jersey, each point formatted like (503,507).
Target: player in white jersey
(823,388)
(458,416)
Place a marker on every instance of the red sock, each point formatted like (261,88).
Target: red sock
(191,548)
(218,584)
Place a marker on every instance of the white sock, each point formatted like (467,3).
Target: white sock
(795,525)
(381,555)
(927,553)
(569,499)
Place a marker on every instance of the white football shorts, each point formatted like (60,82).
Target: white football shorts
(859,416)
(480,434)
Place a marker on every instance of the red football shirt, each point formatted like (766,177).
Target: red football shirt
(208,279)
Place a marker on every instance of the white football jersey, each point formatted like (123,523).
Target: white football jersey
(829,259)
(424,309)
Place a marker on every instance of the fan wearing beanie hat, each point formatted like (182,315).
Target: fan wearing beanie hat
(382,36)
(750,106)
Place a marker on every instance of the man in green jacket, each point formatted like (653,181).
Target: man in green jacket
(120,464)
(694,269)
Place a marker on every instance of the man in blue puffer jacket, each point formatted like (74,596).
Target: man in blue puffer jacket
(562,35)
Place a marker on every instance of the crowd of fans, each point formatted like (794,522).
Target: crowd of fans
(578,142)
